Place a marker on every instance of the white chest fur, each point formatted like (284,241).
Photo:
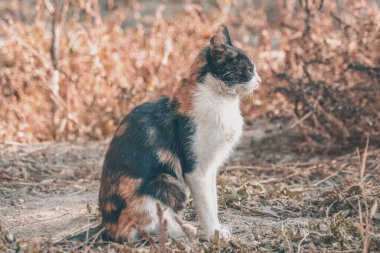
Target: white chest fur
(218,126)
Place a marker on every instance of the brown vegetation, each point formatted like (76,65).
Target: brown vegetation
(332,73)
(321,55)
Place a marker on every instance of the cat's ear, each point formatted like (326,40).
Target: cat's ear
(217,43)
(218,48)
(226,35)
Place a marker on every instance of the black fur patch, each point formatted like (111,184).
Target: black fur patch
(166,189)
(234,68)
(226,62)
(116,204)
(151,126)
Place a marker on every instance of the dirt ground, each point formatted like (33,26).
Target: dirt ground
(272,197)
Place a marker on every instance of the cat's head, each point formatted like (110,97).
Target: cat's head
(231,65)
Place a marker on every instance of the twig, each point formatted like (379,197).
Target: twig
(302,240)
(148,237)
(363,163)
(188,234)
(75,231)
(95,237)
(325,179)
(298,121)
(163,228)
(366,236)
(89,219)
(54,54)
(48,5)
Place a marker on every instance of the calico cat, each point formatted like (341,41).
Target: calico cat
(162,148)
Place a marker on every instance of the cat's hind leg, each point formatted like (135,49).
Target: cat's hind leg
(170,194)
(173,227)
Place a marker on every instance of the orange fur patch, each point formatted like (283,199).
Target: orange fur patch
(109,207)
(133,215)
(130,217)
(107,188)
(184,94)
(128,187)
(167,157)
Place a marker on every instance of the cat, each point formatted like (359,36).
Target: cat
(163,149)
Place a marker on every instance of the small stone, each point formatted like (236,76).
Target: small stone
(9,237)
(323,227)
(255,243)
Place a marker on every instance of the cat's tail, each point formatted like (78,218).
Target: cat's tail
(169,190)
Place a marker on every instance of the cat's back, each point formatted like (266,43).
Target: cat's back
(146,131)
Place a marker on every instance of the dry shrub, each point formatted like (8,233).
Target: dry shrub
(322,56)
(332,72)
(105,67)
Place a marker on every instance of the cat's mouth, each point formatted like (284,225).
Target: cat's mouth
(247,88)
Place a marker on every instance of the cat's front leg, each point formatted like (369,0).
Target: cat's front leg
(202,187)
(224,229)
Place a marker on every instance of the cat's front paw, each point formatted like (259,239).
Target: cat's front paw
(222,233)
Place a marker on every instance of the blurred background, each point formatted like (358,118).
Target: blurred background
(72,69)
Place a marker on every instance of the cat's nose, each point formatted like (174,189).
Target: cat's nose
(258,78)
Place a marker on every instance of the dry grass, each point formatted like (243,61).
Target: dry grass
(297,205)
(321,204)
